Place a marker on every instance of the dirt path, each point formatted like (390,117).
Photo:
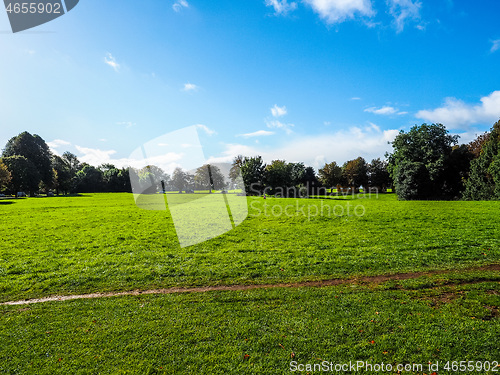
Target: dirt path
(319,283)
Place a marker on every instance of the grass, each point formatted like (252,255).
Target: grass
(257,331)
(103,242)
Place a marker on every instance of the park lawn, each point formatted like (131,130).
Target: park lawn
(104,242)
(430,319)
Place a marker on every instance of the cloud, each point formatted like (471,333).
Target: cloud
(382,111)
(96,157)
(356,98)
(404,11)
(278,111)
(317,150)
(258,133)
(495,45)
(281,6)
(456,114)
(280,125)
(110,60)
(337,11)
(190,87)
(128,124)
(179,4)
(206,129)
(56,143)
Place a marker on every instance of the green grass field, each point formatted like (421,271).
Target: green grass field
(103,242)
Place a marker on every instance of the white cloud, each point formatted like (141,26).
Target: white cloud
(258,133)
(57,143)
(495,45)
(110,60)
(404,11)
(318,149)
(280,125)
(97,157)
(206,129)
(336,11)
(179,4)
(278,111)
(356,98)
(456,114)
(387,110)
(190,87)
(128,124)
(281,6)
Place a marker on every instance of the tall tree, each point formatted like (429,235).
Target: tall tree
(330,175)
(209,177)
(378,176)
(484,178)
(278,177)
(25,176)
(425,146)
(89,180)
(63,175)
(180,179)
(355,172)
(252,171)
(5,176)
(35,150)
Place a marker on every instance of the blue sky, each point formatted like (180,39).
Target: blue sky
(304,80)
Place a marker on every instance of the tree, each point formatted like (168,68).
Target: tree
(355,172)
(5,176)
(35,150)
(235,171)
(63,175)
(89,180)
(378,176)
(209,177)
(252,172)
(425,146)
(476,146)
(330,175)
(484,178)
(180,179)
(310,180)
(278,177)
(25,176)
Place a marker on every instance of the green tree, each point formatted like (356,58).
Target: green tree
(378,176)
(209,177)
(355,172)
(5,176)
(89,180)
(252,172)
(330,175)
(63,175)
(180,179)
(278,177)
(483,182)
(425,146)
(25,176)
(35,150)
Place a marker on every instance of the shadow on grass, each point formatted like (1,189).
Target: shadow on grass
(6,202)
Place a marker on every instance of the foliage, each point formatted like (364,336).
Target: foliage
(330,175)
(484,179)
(426,147)
(252,172)
(355,172)
(378,176)
(5,176)
(89,180)
(209,177)
(35,150)
(25,176)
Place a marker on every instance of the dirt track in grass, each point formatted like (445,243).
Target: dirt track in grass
(319,283)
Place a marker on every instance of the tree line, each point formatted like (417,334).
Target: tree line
(426,163)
